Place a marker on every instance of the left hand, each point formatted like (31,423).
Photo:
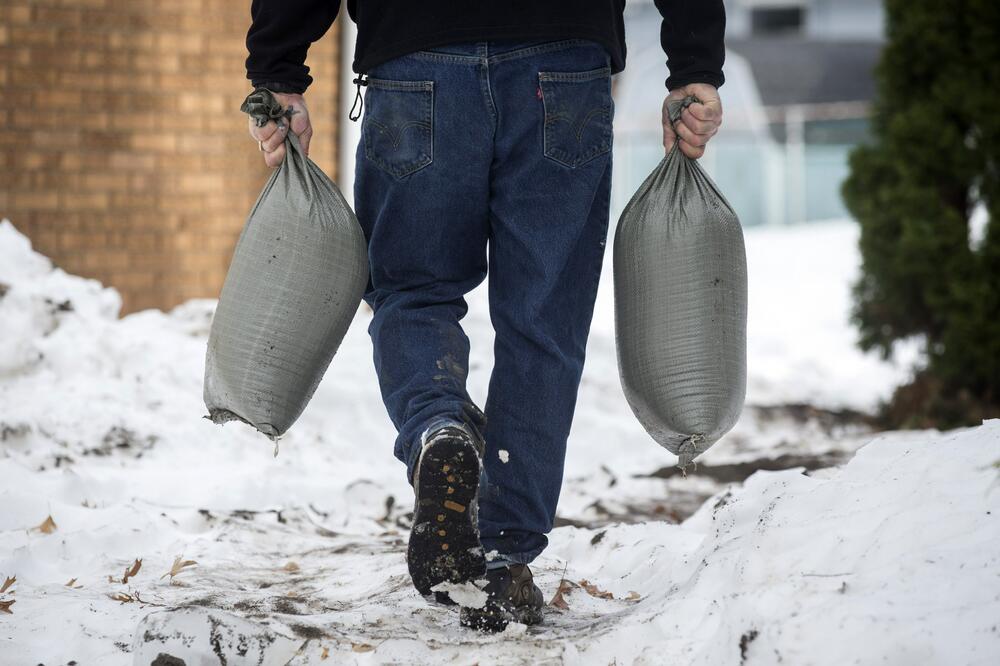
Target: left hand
(698,123)
(272,135)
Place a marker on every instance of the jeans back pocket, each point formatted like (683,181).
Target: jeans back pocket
(578,114)
(398,127)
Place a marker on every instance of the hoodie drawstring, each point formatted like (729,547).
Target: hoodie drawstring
(359,101)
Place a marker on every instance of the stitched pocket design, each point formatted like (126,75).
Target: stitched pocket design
(398,128)
(578,113)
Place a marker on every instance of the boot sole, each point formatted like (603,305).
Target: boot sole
(494,617)
(444,541)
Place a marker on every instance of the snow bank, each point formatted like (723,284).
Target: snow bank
(891,558)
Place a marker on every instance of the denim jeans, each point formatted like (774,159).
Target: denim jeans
(498,155)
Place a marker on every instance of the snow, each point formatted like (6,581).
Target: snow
(504,455)
(465,594)
(889,555)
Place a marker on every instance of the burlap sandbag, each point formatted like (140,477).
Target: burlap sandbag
(293,287)
(681,306)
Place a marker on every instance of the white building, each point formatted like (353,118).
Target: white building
(798,88)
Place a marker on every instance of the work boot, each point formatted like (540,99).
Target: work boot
(444,541)
(512,596)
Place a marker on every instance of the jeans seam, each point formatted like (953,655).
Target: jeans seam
(461,59)
(538,49)
(454,58)
(575,77)
(487,88)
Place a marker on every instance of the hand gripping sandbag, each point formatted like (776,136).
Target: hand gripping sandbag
(293,287)
(681,306)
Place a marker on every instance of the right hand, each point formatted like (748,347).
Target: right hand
(272,135)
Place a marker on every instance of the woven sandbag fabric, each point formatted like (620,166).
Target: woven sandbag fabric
(293,287)
(680,283)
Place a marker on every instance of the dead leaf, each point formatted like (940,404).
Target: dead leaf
(111,579)
(7,583)
(325,654)
(48,526)
(5,606)
(595,591)
(178,566)
(132,571)
(291,567)
(72,584)
(633,596)
(122,597)
(362,647)
(559,600)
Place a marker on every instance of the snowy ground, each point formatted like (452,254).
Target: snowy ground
(892,556)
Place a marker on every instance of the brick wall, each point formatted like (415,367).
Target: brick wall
(123,154)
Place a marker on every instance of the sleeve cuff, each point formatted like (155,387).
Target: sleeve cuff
(680,80)
(279,87)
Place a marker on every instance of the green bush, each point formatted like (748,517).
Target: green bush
(935,157)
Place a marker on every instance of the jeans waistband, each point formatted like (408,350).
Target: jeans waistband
(498,50)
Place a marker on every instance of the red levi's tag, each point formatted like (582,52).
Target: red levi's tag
(538,93)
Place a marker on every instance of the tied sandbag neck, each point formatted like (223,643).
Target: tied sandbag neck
(688,451)
(263,107)
(674,110)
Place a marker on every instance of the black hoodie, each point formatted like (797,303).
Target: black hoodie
(691,35)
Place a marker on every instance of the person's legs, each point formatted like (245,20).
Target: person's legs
(458,150)
(421,194)
(549,194)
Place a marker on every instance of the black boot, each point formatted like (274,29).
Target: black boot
(444,541)
(512,596)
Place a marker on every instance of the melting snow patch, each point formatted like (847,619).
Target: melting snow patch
(515,629)
(464,594)
(504,455)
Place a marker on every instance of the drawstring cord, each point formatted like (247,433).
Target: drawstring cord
(359,101)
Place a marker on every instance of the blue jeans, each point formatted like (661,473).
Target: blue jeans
(490,154)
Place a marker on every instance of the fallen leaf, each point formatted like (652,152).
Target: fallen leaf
(325,654)
(362,647)
(633,596)
(559,600)
(132,571)
(72,584)
(48,526)
(291,567)
(595,591)
(178,566)
(122,597)
(7,583)
(5,606)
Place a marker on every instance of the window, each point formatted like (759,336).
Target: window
(777,20)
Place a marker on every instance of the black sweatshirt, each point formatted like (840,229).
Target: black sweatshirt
(691,35)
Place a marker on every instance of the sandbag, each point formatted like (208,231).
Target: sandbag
(295,282)
(680,283)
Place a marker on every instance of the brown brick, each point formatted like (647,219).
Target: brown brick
(85,200)
(36,200)
(129,161)
(166,143)
(149,188)
(19,14)
(53,16)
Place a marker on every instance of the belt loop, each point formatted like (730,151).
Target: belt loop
(359,80)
